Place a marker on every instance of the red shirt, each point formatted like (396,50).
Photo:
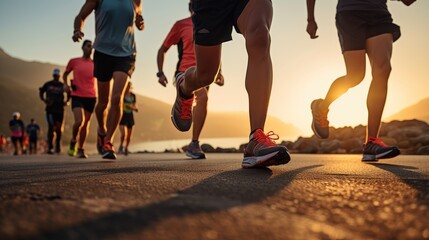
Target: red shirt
(181,34)
(83,77)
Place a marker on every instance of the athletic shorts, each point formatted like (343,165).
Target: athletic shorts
(105,65)
(127,120)
(86,103)
(355,27)
(52,118)
(213,20)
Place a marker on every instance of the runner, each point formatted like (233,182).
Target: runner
(33,130)
(127,121)
(83,93)
(213,22)
(114,57)
(181,34)
(52,94)
(365,27)
(17,130)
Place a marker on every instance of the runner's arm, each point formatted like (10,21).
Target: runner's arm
(79,21)
(311,21)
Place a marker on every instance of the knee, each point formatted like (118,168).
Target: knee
(206,77)
(116,100)
(383,71)
(258,41)
(79,123)
(355,79)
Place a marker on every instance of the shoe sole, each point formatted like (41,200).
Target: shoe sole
(276,158)
(109,155)
(313,125)
(180,128)
(374,158)
(189,154)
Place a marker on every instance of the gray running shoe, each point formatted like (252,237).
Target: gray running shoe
(181,113)
(81,153)
(262,151)
(108,151)
(320,124)
(194,151)
(376,149)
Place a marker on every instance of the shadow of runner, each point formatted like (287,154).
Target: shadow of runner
(219,192)
(418,181)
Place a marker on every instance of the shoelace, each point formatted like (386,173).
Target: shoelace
(377,141)
(322,118)
(267,139)
(108,146)
(186,108)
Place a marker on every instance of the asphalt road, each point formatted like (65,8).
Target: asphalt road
(166,196)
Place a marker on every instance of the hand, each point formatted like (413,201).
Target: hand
(312,29)
(67,88)
(66,103)
(77,35)
(219,79)
(163,80)
(408,2)
(139,21)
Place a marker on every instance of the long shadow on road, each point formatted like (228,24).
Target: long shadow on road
(219,192)
(415,180)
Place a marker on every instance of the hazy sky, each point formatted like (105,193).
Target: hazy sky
(303,68)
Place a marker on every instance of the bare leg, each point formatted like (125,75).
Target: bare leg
(200,113)
(208,62)
(78,121)
(129,131)
(84,129)
(379,52)
(254,23)
(355,67)
(100,108)
(123,134)
(120,79)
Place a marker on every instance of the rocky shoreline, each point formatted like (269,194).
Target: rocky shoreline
(411,136)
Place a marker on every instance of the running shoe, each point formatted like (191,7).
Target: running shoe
(194,151)
(50,151)
(108,152)
(72,149)
(100,142)
(81,153)
(181,113)
(376,149)
(262,151)
(121,150)
(126,151)
(320,124)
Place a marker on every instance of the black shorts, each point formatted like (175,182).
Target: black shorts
(86,103)
(17,139)
(213,20)
(127,120)
(105,65)
(355,27)
(53,117)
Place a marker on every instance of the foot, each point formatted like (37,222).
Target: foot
(181,113)
(72,149)
(320,124)
(194,151)
(81,153)
(100,142)
(376,149)
(262,151)
(126,152)
(50,151)
(108,152)
(121,150)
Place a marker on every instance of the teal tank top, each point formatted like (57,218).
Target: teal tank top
(114,31)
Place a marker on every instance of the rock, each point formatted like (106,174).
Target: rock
(352,144)
(423,150)
(207,148)
(306,145)
(330,146)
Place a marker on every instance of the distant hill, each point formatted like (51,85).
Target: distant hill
(419,111)
(20,80)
